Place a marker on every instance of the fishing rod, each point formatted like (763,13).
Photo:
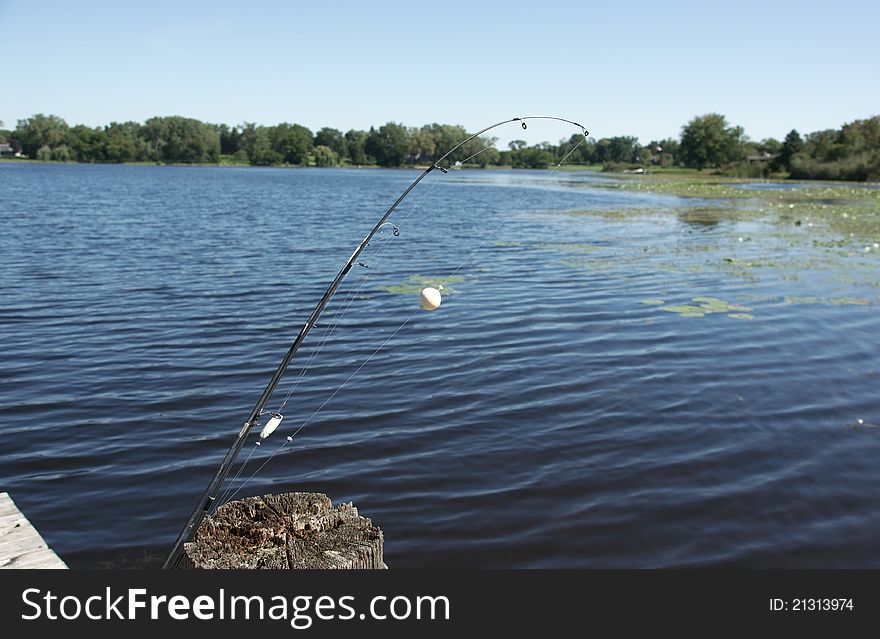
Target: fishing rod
(209,496)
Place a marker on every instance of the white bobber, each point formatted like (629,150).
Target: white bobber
(429,298)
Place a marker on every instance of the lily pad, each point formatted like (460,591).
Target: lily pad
(745,316)
(684,308)
(415,283)
(653,302)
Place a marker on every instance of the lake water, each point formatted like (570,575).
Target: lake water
(551,413)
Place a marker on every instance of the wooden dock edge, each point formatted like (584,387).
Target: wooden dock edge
(21,546)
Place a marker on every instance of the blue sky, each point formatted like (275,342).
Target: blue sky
(640,68)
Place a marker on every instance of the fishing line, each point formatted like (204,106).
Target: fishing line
(507,217)
(460,163)
(336,320)
(492,234)
(343,308)
(350,299)
(232,481)
(289,438)
(306,366)
(209,495)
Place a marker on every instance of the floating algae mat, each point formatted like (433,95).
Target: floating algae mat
(810,244)
(703,306)
(415,283)
(848,209)
(833,301)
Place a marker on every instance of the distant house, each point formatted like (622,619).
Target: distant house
(6,149)
(762,157)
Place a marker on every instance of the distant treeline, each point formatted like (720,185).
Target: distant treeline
(706,142)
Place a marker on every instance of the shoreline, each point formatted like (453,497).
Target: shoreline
(668,172)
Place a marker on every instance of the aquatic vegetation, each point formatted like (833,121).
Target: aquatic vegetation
(840,207)
(715,305)
(833,301)
(683,309)
(791,234)
(705,306)
(415,283)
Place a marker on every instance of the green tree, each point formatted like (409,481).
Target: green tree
(665,152)
(623,149)
(532,157)
(86,143)
(332,139)
(602,152)
(769,145)
(421,145)
(478,151)
(182,140)
(587,151)
(355,142)
(230,138)
(261,151)
(123,143)
(851,153)
(792,144)
(389,144)
(292,141)
(247,138)
(580,150)
(445,137)
(490,156)
(708,141)
(325,156)
(40,131)
(62,153)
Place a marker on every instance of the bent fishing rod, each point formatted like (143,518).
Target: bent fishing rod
(209,496)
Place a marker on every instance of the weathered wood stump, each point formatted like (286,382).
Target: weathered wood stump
(291,530)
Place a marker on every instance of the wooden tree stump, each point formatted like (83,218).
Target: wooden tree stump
(291,530)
